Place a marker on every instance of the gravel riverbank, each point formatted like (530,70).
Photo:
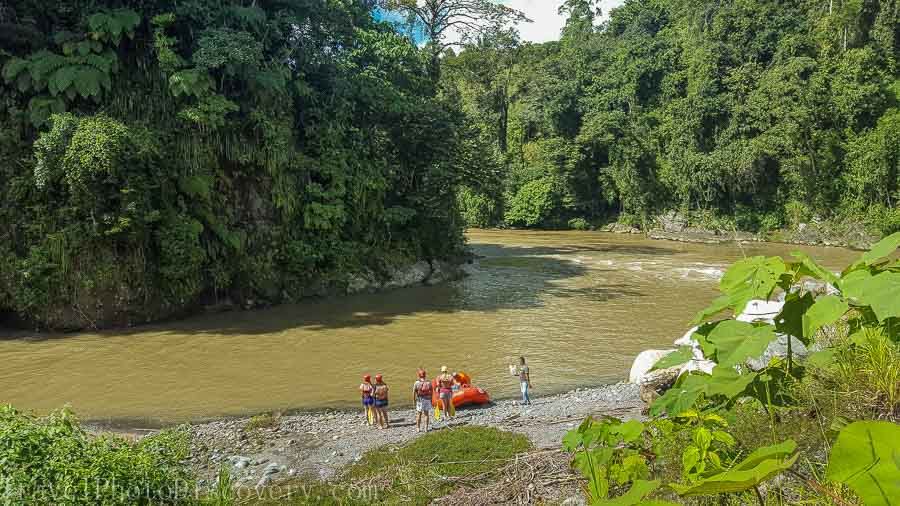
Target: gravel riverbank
(318,444)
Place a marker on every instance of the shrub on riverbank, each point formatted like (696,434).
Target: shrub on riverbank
(52,460)
(820,430)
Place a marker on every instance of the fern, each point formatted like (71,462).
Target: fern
(42,64)
(110,26)
(88,81)
(62,79)
(191,82)
(13,68)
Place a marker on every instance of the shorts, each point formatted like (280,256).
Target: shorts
(423,404)
(447,397)
(368,401)
(381,403)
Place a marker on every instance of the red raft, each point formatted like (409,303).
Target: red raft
(464,395)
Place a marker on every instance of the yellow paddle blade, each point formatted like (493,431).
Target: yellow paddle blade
(371,413)
(437,412)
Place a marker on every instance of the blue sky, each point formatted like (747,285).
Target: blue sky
(547,22)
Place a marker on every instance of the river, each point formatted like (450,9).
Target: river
(578,305)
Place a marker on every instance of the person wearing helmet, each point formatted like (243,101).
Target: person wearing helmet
(422,390)
(445,384)
(367,389)
(381,402)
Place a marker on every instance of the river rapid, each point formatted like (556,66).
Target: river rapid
(578,305)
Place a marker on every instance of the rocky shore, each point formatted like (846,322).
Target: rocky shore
(317,445)
(676,227)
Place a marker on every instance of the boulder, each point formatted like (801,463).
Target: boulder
(656,383)
(778,348)
(815,287)
(687,339)
(640,369)
(763,311)
(239,461)
(273,468)
(701,364)
(361,282)
(411,275)
(619,228)
(672,222)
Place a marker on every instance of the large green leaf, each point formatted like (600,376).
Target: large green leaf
(825,311)
(852,283)
(589,462)
(866,458)
(718,305)
(751,278)
(883,248)
(806,266)
(790,320)
(759,466)
(881,292)
(635,495)
(736,341)
(629,431)
(678,357)
(724,382)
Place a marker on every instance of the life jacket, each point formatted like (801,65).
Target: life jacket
(381,392)
(446,382)
(366,389)
(424,389)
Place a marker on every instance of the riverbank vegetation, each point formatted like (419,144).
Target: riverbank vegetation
(154,157)
(53,460)
(822,430)
(748,115)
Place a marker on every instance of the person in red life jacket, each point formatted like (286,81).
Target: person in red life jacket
(445,384)
(381,402)
(367,389)
(422,391)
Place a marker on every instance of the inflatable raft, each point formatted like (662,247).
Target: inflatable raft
(464,394)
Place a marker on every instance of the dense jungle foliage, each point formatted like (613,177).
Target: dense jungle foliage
(154,155)
(762,113)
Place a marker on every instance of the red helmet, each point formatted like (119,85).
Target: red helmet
(367,378)
(421,373)
(378,378)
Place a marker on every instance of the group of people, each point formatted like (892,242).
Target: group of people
(375,396)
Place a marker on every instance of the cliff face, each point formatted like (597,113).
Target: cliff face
(155,162)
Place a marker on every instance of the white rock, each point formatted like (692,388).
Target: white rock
(688,339)
(273,468)
(239,462)
(575,500)
(645,361)
(761,311)
(705,366)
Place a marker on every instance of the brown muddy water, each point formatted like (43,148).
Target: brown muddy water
(578,305)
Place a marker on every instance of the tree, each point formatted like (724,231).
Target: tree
(468,20)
